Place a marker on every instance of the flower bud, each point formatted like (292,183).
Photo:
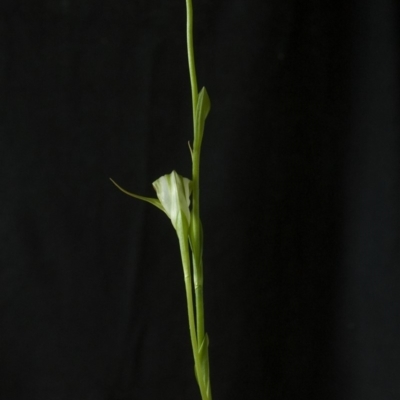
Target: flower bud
(173,191)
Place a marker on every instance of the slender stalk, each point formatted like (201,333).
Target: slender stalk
(196,240)
(190,51)
(184,247)
(195,228)
(188,286)
(195,235)
(199,308)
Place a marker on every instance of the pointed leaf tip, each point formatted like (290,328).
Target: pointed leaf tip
(151,200)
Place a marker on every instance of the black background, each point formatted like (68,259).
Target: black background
(300,195)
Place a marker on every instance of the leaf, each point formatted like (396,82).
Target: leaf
(202,110)
(150,200)
(204,362)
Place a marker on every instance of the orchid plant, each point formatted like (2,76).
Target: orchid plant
(178,197)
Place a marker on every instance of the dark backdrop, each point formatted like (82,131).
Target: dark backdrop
(300,199)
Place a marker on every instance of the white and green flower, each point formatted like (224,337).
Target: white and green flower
(173,192)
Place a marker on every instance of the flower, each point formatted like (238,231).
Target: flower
(173,192)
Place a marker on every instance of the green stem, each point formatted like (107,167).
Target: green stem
(184,247)
(196,239)
(190,51)
(195,228)
(188,286)
(199,310)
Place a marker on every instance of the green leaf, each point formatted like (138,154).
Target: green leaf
(204,362)
(202,110)
(150,200)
